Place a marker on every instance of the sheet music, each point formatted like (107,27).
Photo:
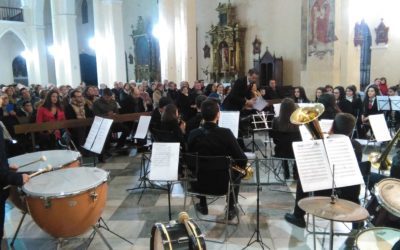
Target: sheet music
(260,104)
(6,134)
(230,119)
(164,162)
(326,125)
(143,127)
(395,102)
(92,133)
(101,136)
(379,127)
(305,134)
(312,165)
(383,102)
(341,154)
(277,109)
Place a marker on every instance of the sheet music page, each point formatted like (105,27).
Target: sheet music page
(6,134)
(101,136)
(260,104)
(230,119)
(277,109)
(395,102)
(326,125)
(379,127)
(341,154)
(93,132)
(313,166)
(383,102)
(164,162)
(305,134)
(143,127)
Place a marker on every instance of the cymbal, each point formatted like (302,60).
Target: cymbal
(342,210)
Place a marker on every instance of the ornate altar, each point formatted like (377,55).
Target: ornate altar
(146,52)
(227,40)
(269,67)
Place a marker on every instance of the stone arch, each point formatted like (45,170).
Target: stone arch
(17,34)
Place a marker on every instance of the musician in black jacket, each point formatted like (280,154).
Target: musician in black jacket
(240,95)
(211,140)
(343,124)
(7,177)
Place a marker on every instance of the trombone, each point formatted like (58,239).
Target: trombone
(308,116)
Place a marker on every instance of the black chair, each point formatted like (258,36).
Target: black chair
(214,180)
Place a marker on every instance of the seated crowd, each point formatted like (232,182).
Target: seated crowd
(189,116)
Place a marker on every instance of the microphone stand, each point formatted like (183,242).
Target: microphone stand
(258,238)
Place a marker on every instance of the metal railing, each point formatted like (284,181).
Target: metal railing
(11,14)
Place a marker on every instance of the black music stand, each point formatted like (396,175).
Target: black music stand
(259,122)
(256,233)
(145,182)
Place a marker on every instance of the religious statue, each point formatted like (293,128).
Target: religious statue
(382,33)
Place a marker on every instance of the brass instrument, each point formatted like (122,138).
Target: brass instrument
(247,173)
(308,116)
(380,160)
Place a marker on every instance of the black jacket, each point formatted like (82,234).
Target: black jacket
(211,140)
(236,99)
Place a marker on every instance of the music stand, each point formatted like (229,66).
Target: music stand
(256,233)
(259,122)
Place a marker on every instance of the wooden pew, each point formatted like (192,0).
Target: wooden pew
(75,123)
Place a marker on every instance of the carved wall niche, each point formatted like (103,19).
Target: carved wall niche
(227,41)
(146,52)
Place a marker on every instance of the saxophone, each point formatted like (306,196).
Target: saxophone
(380,160)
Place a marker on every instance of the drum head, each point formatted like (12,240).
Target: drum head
(377,238)
(55,158)
(387,192)
(65,182)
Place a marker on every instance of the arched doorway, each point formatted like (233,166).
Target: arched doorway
(365,55)
(20,72)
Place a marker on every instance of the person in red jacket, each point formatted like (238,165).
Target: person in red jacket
(50,111)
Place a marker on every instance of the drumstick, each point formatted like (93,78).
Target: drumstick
(183,217)
(43,158)
(46,169)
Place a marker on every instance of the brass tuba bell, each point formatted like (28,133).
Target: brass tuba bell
(308,116)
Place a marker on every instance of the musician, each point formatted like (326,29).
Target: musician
(211,140)
(171,122)
(394,172)
(240,95)
(370,106)
(7,177)
(273,91)
(393,116)
(331,108)
(343,124)
(155,121)
(284,133)
(340,97)
(195,121)
(318,92)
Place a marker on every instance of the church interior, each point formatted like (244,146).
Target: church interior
(88,79)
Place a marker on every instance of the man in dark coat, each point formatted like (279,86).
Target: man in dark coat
(211,140)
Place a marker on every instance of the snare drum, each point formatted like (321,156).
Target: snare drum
(174,236)
(381,238)
(385,205)
(67,202)
(56,158)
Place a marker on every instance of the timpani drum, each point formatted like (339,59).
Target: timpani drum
(385,205)
(67,202)
(382,238)
(56,158)
(174,235)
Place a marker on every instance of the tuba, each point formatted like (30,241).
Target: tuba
(380,160)
(308,116)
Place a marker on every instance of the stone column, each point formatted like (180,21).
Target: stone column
(109,42)
(65,42)
(39,68)
(177,19)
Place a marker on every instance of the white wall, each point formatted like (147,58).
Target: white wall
(10,47)
(85,31)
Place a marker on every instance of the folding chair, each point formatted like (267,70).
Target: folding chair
(203,186)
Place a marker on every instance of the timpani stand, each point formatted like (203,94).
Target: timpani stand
(333,209)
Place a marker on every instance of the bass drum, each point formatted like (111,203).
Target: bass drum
(382,238)
(67,202)
(174,236)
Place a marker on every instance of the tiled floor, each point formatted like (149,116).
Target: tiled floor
(134,221)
